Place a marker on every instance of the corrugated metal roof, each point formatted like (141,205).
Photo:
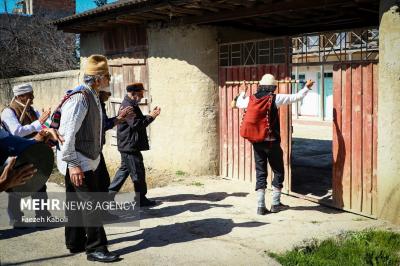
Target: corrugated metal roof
(104,9)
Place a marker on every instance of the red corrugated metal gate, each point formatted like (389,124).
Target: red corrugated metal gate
(355,126)
(355,137)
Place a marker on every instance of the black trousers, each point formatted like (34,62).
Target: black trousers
(264,153)
(14,202)
(131,164)
(93,238)
(102,173)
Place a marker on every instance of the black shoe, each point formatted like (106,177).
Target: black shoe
(279,207)
(21,226)
(262,211)
(76,250)
(17,224)
(102,256)
(145,202)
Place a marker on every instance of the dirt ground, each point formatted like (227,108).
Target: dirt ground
(154,178)
(199,221)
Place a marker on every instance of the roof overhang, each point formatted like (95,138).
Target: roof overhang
(275,17)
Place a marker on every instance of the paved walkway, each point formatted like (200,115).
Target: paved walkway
(203,221)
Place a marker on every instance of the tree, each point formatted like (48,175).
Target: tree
(32,45)
(100,2)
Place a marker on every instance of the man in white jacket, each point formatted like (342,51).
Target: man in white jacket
(269,150)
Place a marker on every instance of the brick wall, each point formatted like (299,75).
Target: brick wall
(55,8)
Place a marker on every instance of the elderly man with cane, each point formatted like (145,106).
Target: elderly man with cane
(260,126)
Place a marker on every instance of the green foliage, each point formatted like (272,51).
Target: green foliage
(360,248)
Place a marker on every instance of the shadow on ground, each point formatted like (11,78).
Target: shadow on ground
(164,235)
(38,260)
(175,210)
(11,232)
(312,167)
(214,196)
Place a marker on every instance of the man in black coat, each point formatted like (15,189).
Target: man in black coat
(132,139)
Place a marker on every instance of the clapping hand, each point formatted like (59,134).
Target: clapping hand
(126,112)
(156,112)
(44,116)
(12,177)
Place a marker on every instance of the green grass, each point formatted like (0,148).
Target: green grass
(197,184)
(180,173)
(361,248)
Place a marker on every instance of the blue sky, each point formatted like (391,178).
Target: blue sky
(81,5)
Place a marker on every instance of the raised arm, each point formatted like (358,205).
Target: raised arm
(285,99)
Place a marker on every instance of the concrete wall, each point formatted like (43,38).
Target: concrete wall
(389,112)
(48,88)
(183,75)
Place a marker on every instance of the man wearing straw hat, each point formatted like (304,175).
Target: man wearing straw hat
(262,113)
(22,120)
(81,125)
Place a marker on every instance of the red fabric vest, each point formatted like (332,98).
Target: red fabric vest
(255,125)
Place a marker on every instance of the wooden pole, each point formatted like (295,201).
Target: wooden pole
(24,111)
(322,94)
(237,82)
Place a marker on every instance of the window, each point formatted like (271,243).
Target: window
(253,53)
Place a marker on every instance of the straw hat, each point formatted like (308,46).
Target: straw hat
(96,65)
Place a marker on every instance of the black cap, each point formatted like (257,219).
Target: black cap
(135,87)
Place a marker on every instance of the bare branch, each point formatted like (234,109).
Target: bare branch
(32,45)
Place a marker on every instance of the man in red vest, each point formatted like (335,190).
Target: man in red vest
(260,126)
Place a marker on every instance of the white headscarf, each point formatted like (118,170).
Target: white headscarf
(22,89)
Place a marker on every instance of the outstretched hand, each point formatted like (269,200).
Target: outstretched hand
(48,135)
(309,84)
